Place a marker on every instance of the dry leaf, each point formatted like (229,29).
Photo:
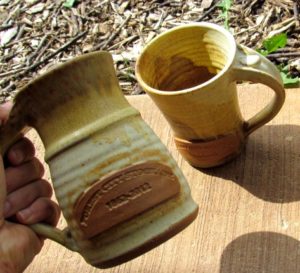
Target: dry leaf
(36,8)
(206,4)
(7,35)
(4,2)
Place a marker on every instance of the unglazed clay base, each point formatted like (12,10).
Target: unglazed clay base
(206,154)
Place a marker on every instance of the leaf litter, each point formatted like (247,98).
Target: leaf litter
(36,34)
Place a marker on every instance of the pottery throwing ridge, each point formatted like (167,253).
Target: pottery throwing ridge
(191,73)
(119,189)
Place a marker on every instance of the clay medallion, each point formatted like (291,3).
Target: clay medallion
(123,195)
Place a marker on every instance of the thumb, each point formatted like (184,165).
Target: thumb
(4,112)
(2,191)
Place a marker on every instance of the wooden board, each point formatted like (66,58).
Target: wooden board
(249,217)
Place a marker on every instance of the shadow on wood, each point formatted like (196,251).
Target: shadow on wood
(267,252)
(269,166)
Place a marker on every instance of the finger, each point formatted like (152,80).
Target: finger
(22,245)
(4,111)
(22,151)
(17,177)
(42,210)
(25,196)
(2,192)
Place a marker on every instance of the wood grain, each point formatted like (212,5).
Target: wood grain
(249,216)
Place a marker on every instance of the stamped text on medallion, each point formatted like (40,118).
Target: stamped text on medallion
(123,195)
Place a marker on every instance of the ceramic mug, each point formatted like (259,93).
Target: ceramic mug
(190,72)
(119,189)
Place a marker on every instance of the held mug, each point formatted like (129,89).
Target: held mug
(119,189)
(190,72)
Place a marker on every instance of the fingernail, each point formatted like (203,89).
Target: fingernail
(7,208)
(4,111)
(17,155)
(25,214)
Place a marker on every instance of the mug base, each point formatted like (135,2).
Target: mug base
(212,153)
(154,242)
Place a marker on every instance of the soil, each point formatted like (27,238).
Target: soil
(35,35)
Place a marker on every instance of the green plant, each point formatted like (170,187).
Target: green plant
(271,45)
(225,6)
(69,3)
(287,79)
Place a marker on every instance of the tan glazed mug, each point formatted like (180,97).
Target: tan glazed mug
(119,189)
(190,72)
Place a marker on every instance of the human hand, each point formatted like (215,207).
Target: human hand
(24,198)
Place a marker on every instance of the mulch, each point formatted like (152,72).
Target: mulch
(35,35)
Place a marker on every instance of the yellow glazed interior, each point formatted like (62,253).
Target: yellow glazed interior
(185,57)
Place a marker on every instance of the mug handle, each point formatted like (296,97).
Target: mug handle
(252,66)
(10,132)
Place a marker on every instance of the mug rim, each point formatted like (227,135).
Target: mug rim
(207,25)
(57,67)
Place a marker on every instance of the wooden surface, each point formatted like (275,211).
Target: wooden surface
(249,217)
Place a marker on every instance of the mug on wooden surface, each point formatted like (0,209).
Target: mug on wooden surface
(119,189)
(190,72)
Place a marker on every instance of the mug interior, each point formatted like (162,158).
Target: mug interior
(185,57)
